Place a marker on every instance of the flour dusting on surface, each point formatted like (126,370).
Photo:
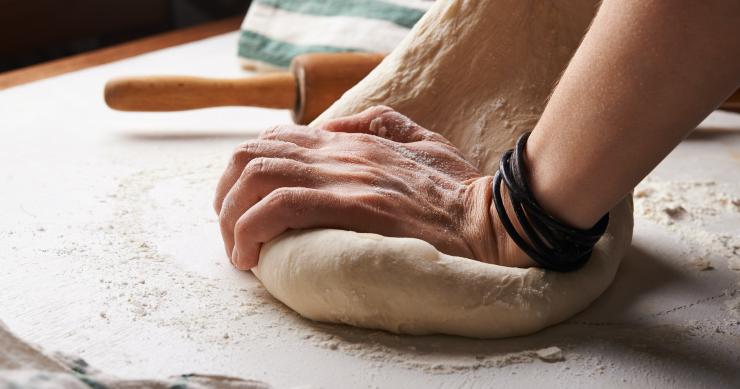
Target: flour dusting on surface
(697,211)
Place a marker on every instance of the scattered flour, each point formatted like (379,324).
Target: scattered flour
(697,211)
(701,264)
(411,357)
(733,306)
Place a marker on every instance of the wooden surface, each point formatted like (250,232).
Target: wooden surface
(117,52)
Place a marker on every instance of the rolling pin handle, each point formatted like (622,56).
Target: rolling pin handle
(178,93)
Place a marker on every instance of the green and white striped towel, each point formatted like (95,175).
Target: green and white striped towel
(275,31)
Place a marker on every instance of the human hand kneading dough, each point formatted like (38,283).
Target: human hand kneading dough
(376,171)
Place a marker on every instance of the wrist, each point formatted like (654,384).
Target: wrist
(552,184)
(549,241)
(477,226)
(488,240)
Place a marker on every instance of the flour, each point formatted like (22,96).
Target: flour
(733,306)
(701,264)
(142,282)
(412,357)
(695,211)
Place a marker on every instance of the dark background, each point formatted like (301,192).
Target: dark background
(34,31)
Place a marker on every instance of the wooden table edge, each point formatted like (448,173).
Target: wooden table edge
(117,52)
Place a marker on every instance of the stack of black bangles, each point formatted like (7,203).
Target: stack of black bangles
(553,244)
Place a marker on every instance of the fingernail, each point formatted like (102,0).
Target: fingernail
(234,257)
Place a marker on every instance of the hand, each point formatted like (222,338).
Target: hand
(376,171)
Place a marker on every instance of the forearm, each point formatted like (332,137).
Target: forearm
(645,75)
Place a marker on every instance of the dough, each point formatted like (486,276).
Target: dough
(478,72)
(405,285)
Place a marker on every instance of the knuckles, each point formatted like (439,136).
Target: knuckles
(241,228)
(275,131)
(257,168)
(245,152)
(277,200)
(282,198)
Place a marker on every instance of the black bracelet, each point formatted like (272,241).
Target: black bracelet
(553,244)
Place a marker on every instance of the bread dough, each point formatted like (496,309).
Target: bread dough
(405,285)
(478,72)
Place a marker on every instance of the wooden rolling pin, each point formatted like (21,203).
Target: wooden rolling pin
(314,82)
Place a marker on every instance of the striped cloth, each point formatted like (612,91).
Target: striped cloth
(275,31)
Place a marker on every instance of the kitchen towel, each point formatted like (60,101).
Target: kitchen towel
(274,31)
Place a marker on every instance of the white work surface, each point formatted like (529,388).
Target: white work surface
(110,250)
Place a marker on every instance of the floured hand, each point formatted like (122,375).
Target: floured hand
(376,171)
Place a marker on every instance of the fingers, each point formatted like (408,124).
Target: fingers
(246,153)
(384,122)
(259,178)
(283,209)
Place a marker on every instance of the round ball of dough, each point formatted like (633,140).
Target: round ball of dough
(405,285)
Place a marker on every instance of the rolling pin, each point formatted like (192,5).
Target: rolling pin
(314,82)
